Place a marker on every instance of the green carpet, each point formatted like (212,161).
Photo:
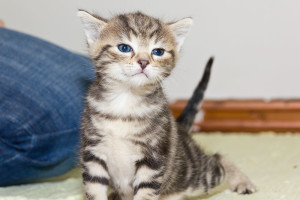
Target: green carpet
(271,161)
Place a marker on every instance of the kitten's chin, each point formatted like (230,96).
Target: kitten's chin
(135,80)
(139,79)
(140,75)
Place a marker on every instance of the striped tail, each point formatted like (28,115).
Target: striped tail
(186,119)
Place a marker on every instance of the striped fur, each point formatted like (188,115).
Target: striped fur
(130,140)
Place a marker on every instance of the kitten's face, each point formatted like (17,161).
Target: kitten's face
(134,49)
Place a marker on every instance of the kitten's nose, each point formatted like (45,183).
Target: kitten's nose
(143,63)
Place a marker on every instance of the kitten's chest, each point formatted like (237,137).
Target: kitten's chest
(120,152)
(121,157)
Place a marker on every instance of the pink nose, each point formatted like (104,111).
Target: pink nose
(143,63)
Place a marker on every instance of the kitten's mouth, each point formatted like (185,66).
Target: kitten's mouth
(140,74)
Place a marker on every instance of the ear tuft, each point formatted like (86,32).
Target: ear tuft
(180,30)
(92,26)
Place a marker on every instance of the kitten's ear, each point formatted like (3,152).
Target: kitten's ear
(180,30)
(92,26)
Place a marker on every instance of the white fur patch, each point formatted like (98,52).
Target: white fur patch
(96,190)
(123,104)
(96,169)
(182,195)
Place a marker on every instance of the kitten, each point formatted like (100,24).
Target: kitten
(130,140)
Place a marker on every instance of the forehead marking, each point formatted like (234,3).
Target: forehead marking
(125,19)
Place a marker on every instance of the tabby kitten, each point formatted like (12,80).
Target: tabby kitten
(130,140)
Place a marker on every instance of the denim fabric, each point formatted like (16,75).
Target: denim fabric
(42,88)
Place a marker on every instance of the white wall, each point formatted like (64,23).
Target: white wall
(256,43)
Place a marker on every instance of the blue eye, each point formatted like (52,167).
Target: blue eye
(158,52)
(124,48)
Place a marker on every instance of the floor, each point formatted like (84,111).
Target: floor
(271,161)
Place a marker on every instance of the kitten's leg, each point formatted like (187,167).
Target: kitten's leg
(148,180)
(218,169)
(95,176)
(237,180)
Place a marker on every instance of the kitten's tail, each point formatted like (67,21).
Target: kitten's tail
(186,119)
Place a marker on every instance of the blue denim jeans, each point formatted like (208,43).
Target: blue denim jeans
(42,89)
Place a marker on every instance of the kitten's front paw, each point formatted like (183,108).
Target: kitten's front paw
(245,188)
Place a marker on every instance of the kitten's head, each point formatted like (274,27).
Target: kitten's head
(134,48)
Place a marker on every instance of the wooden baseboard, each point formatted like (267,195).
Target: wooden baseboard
(246,115)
